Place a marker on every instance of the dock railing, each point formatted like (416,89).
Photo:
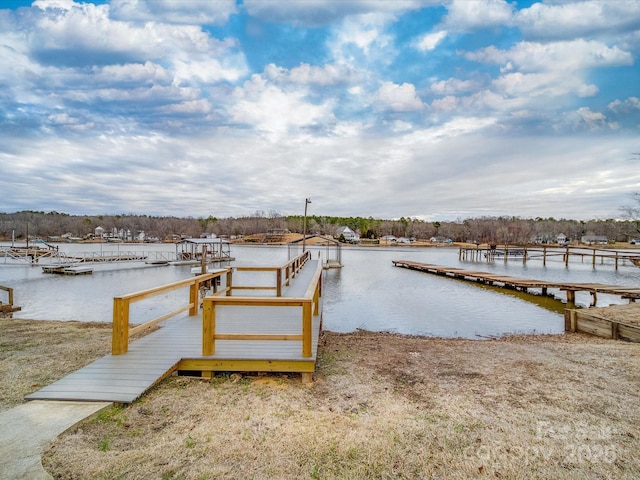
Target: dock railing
(10,293)
(121,330)
(524,253)
(308,303)
(284,274)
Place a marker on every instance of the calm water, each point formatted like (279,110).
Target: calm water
(368,293)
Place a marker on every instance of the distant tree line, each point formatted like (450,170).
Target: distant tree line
(513,230)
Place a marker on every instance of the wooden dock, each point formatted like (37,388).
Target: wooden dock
(524,253)
(258,333)
(522,284)
(68,270)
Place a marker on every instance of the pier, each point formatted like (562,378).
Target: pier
(271,327)
(525,285)
(593,255)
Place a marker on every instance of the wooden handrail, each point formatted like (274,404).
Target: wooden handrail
(9,292)
(121,331)
(310,304)
(284,273)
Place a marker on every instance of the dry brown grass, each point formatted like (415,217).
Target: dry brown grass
(34,353)
(384,406)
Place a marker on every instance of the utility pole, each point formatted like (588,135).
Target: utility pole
(307,201)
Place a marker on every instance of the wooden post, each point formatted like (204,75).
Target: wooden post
(306,328)
(229,282)
(616,260)
(208,328)
(279,282)
(316,302)
(571,298)
(120,327)
(615,333)
(593,258)
(574,321)
(544,256)
(566,258)
(524,257)
(193,298)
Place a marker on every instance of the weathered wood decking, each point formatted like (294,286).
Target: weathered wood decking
(523,284)
(178,345)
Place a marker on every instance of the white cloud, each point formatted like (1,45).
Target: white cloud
(467,15)
(430,41)
(551,84)
(578,18)
(453,86)
(62,36)
(200,106)
(400,98)
(565,56)
(269,109)
(195,12)
(322,12)
(630,104)
(305,74)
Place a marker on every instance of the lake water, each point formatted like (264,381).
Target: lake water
(368,293)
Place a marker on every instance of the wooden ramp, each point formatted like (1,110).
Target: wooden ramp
(178,345)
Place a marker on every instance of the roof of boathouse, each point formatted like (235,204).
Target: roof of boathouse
(202,241)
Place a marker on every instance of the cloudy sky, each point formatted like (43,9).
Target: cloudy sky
(438,110)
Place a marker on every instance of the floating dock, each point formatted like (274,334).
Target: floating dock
(68,270)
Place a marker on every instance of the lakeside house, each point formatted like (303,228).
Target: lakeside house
(348,235)
(440,240)
(594,240)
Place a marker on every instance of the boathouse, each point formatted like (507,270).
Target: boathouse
(214,250)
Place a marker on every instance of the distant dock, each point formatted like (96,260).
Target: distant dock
(68,270)
(594,255)
(522,284)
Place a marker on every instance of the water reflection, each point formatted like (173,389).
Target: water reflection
(368,293)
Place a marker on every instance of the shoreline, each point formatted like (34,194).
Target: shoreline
(381,405)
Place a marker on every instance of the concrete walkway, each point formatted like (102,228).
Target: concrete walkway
(26,429)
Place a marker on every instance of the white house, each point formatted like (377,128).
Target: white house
(561,239)
(348,234)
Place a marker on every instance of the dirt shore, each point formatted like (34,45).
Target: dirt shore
(382,406)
